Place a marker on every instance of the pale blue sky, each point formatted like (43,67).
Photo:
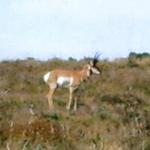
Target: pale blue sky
(77,28)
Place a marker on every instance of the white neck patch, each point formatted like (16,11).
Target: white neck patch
(95,71)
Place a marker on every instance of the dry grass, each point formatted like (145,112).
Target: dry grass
(113,109)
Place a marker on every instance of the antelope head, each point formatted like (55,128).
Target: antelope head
(92,65)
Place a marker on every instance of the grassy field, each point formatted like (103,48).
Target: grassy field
(113,109)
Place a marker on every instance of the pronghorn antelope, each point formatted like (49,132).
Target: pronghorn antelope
(70,79)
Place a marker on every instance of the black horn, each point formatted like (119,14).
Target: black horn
(96,58)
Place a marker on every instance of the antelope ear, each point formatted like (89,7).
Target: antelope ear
(91,63)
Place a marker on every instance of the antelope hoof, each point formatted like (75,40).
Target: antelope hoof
(75,108)
(51,106)
(68,107)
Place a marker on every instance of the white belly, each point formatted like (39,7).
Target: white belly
(64,81)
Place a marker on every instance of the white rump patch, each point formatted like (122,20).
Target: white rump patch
(46,76)
(64,81)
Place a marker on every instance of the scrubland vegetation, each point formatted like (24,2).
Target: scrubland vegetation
(113,108)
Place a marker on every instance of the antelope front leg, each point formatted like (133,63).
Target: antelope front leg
(70,98)
(75,104)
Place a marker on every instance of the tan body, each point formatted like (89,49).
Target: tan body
(76,76)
